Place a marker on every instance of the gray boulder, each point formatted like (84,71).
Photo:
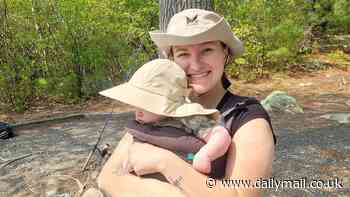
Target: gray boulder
(281,101)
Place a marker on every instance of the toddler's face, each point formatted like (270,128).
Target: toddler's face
(144,116)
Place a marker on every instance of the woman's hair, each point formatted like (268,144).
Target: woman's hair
(225,82)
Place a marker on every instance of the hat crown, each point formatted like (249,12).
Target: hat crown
(192,21)
(162,77)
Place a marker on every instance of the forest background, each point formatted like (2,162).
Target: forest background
(67,51)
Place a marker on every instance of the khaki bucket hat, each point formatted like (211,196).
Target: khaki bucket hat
(160,87)
(194,26)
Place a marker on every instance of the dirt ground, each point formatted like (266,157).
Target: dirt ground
(318,90)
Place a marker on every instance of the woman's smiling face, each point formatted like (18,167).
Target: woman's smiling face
(203,63)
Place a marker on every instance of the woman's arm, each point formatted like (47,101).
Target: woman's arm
(114,183)
(250,158)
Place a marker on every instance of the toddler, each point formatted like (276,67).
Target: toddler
(159,92)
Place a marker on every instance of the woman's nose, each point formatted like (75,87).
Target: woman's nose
(195,63)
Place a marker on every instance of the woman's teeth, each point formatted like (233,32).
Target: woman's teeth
(199,75)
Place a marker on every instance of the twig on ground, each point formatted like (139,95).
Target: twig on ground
(9,161)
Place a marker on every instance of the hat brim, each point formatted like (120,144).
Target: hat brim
(158,104)
(220,31)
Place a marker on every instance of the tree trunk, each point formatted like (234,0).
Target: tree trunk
(170,7)
(4,34)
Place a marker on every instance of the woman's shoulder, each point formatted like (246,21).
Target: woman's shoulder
(238,110)
(230,100)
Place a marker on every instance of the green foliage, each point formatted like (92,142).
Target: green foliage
(280,54)
(68,88)
(271,31)
(340,18)
(340,59)
(274,32)
(71,49)
(15,86)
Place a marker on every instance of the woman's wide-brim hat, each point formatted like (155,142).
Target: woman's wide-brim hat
(160,87)
(194,26)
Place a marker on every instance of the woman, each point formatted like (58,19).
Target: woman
(202,43)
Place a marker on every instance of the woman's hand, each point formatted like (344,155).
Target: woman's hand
(145,158)
(115,183)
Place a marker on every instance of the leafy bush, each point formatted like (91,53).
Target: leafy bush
(71,49)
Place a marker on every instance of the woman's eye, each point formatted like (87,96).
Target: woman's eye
(181,55)
(207,50)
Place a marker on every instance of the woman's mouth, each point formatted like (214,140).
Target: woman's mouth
(199,75)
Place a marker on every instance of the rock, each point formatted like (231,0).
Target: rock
(343,118)
(281,101)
